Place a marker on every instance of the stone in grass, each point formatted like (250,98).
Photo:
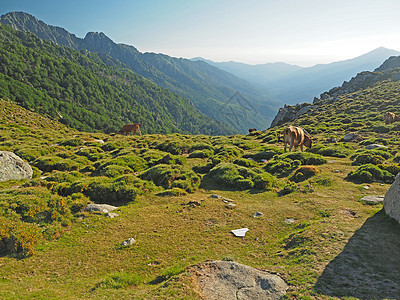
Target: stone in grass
(128,242)
(231,205)
(111,215)
(240,232)
(216,196)
(372,199)
(290,221)
(257,214)
(231,280)
(104,208)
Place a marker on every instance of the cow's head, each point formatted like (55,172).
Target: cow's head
(307,141)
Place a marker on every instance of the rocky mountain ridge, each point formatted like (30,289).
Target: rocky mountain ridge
(389,70)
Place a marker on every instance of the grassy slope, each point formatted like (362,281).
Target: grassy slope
(334,234)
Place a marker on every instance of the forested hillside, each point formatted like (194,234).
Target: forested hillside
(80,90)
(209,88)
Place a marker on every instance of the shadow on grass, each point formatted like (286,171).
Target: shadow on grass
(369,265)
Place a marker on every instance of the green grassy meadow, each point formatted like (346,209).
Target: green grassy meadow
(337,246)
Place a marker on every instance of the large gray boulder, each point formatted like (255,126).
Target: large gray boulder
(230,280)
(391,202)
(12,167)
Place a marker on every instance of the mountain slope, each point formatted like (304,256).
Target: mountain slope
(87,94)
(208,87)
(384,81)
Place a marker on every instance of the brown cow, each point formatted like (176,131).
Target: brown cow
(128,128)
(295,136)
(390,118)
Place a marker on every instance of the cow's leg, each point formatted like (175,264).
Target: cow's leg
(285,145)
(301,147)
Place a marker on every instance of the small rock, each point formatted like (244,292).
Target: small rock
(257,214)
(216,196)
(331,161)
(374,146)
(290,221)
(112,215)
(349,137)
(336,171)
(240,232)
(99,141)
(128,242)
(366,187)
(372,199)
(104,208)
(231,205)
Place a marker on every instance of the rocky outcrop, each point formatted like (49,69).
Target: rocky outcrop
(12,167)
(290,113)
(230,280)
(391,203)
(104,208)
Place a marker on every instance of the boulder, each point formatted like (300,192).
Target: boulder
(12,167)
(104,208)
(349,137)
(230,280)
(374,146)
(372,199)
(128,242)
(391,202)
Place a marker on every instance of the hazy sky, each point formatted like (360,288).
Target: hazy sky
(303,32)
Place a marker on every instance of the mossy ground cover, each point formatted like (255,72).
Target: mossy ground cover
(79,255)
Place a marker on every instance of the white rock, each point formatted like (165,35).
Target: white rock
(240,232)
(104,208)
(128,242)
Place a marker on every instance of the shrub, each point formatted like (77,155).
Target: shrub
(380,129)
(288,189)
(334,151)
(264,181)
(165,175)
(391,168)
(110,192)
(170,159)
(174,147)
(203,169)
(306,158)
(266,155)
(17,237)
(367,158)
(370,173)
(112,171)
(228,175)
(72,142)
(50,163)
(304,173)
(31,153)
(201,146)
(245,162)
(121,165)
(226,154)
(281,166)
(64,176)
(78,202)
(92,153)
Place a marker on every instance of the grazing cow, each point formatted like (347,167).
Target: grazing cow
(295,136)
(128,128)
(252,129)
(390,118)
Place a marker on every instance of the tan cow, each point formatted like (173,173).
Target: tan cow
(295,136)
(390,118)
(128,128)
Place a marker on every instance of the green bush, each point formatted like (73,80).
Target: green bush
(64,176)
(170,159)
(288,189)
(391,168)
(281,166)
(111,192)
(165,175)
(264,155)
(245,162)
(92,153)
(31,153)
(369,173)
(201,146)
(306,158)
(174,147)
(367,158)
(264,181)
(203,169)
(112,171)
(72,142)
(232,176)
(334,151)
(50,163)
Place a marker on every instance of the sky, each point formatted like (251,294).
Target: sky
(301,32)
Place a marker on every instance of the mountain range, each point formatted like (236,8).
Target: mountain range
(292,84)
(211,89)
